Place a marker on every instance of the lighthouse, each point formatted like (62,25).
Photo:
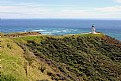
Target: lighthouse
(93,29)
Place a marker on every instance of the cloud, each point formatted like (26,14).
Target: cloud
(109,9)
(88,14)
(119,1)
(67,12)
(21,9)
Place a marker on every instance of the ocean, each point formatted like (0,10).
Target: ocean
(61,26)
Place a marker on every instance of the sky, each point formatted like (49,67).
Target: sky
(77,9)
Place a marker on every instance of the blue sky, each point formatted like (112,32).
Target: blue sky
(80,9)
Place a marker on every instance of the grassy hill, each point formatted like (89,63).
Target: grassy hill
(82,57)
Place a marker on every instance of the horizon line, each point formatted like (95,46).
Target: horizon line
(69,18)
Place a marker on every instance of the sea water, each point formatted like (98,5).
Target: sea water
(62,26)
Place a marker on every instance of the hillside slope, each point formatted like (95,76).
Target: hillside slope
(18,64)
(83,57)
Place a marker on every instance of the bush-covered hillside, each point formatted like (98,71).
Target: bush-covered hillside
(83,57)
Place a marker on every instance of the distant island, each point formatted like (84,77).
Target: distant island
(31,56)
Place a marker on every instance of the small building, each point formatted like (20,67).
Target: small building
(93,29)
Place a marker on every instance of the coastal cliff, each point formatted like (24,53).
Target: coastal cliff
(80,57)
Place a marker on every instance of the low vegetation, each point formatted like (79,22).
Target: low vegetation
(82,57)
(19,34)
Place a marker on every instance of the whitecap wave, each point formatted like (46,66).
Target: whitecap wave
(50,33)
(40,30)
(56,31)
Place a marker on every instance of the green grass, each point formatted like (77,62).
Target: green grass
(37,39)
(14,63)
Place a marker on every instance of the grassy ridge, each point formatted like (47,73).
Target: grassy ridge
(82,57)
(15,63)
(11,61)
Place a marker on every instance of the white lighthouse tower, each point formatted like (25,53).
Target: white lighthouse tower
(93,29)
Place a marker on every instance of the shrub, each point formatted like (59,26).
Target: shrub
(8,78)
(43,80)
(42,68)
